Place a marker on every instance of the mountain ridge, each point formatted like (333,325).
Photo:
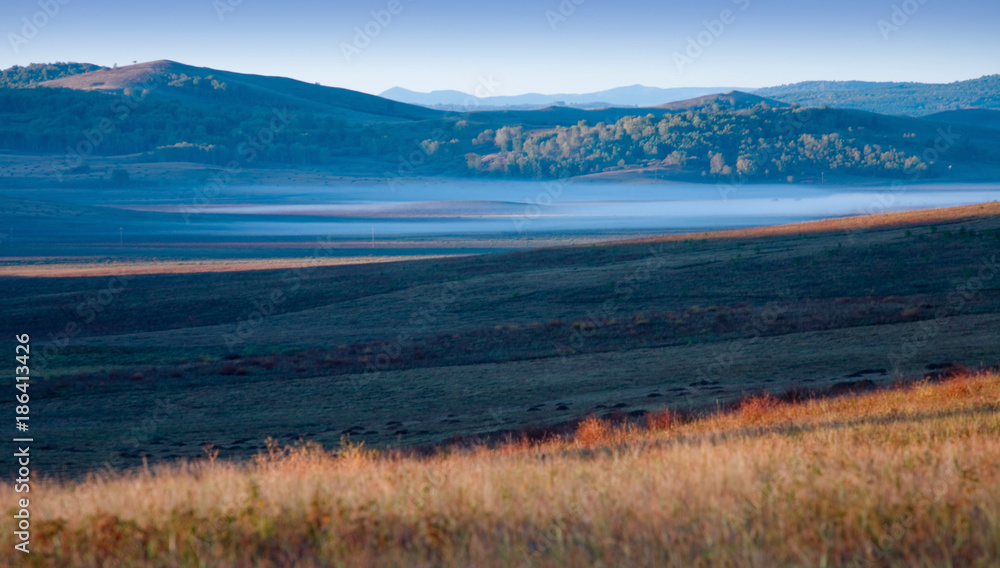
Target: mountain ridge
(638,96)
(890,98)
(893,98)
(205,85)
(193,114)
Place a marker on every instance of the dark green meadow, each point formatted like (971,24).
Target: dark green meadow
(420,353)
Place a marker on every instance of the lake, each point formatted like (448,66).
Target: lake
(462,206)
(477,214)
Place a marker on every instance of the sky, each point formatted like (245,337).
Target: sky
(494,48)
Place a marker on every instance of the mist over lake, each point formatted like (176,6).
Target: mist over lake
(418,207)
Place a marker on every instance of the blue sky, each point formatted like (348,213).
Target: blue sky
(521,46)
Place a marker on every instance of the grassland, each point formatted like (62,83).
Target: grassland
(61,268)
(908,476)
(132,367)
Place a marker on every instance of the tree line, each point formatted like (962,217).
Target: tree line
(758,143)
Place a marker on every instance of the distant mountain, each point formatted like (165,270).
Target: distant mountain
(551,116)
(906,99)
(165,111)
(202,85)
(31,75)
(631,96)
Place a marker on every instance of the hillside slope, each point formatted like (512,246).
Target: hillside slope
(912,99)
(417,352)
(32,75)
(976,118)
(211,86)
(730,100)
(202,115)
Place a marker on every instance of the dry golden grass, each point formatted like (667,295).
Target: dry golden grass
(903,477)
(855,223)
(57,268)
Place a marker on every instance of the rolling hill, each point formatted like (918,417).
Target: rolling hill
(555,115)
(975,117)
(164,111)
(202,85)
(418,352)
(31,75)
(911,99)
(730,100)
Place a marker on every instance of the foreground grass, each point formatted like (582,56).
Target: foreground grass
(902,477)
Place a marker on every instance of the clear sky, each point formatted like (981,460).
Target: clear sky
(518,46)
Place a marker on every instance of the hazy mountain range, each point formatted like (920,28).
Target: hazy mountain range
(164,111)
(905,99)
(631,96)
(201,85)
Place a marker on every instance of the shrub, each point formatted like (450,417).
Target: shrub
(592,430)
(753,410)
(660,420)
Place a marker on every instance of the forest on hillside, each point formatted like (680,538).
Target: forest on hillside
(30,75)
(761,143)
(903,99)
(758,143)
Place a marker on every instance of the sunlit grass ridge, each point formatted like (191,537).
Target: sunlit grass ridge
(900,477)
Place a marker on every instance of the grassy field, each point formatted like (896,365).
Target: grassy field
(907,476)
(132,367)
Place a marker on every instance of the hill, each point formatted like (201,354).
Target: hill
(729,100)
(165,111)
(732,138)
(415,353)
(193,85)
(910,99)
(630,96)
(977,118)
(32,75)
(642,403)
